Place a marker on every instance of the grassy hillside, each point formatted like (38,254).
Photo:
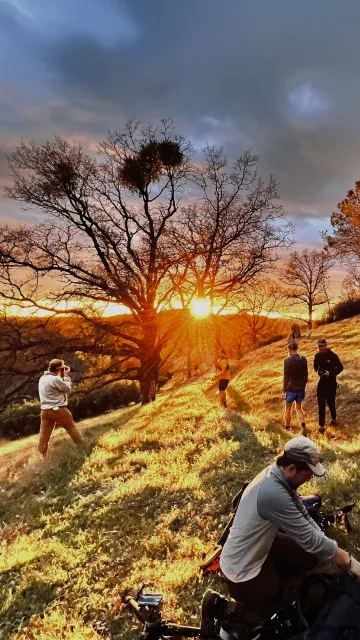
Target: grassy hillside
(144,501)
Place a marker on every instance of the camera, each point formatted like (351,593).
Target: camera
(66,368)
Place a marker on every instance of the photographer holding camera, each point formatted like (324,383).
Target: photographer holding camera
(327,365)
(54,389)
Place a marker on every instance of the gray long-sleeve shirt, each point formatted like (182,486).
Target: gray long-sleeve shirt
(267,505)
(53,391)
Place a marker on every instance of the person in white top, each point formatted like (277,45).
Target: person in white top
(54,390)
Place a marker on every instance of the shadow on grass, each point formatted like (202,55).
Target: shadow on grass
(248,459)
(39,484)
(237,399)
(121,536)
(30,601)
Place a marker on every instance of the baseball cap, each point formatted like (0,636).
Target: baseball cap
(55,364)
(302,449)
(293,345)
(322,342)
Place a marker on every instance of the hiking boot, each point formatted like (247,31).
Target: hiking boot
(212,608)
(334,423)
(226,633)
(322,430)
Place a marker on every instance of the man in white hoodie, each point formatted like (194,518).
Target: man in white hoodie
(54,390)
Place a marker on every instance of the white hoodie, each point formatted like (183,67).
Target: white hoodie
(53,391)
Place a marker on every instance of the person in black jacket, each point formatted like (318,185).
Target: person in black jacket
(295,379)
(327,365)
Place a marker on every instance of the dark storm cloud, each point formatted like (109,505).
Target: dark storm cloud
(284,73)
(279,75)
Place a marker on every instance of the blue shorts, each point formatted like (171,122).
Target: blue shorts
(294,396)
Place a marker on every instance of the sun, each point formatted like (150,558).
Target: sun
(200,307)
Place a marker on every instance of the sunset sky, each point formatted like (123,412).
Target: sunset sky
(281,76)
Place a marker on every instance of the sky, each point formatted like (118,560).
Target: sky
(280,76)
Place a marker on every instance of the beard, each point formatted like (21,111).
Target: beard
(294,484)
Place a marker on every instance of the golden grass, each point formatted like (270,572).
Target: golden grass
(144,501)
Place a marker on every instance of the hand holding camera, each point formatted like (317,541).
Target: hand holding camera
(65,371)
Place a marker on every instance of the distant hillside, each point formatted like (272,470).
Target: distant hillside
(259,384)
(144,501)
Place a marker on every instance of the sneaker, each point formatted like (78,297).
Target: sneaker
(212,608)
(321,429)
(226,633)
(333,423)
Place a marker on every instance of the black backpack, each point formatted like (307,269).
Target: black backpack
(333,615)
(339,618)
(297,366)
(296,371)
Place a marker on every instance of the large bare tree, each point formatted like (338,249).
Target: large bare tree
(232,233)
(103,236)
(306,280)
(113,231)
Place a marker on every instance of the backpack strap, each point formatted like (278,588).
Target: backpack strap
(325,580)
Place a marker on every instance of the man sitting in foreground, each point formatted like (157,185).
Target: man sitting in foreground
(256,558)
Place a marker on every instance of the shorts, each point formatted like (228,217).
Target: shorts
(294,396)
(223,384)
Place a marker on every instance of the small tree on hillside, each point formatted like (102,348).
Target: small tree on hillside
(232,234)
(260,299)
(345,241)
(349,288)
(306,280)
(103,236)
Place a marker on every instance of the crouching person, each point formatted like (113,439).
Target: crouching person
(54,391)
(257,558)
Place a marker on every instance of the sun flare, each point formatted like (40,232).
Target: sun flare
(200,307)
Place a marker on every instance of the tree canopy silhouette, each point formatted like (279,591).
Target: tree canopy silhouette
(113,231)
(305,280)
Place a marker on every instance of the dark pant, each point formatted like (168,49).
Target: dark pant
(223,384)
(263,593)
(326,393)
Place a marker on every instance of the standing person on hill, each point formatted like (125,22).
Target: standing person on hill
(223,375)
(54,390)
(295,379)
(327,365)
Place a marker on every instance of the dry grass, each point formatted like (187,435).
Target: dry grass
(144,501)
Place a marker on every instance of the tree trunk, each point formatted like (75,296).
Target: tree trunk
(147,390)
(218,344)
(310,321)
(188,365)
(150,357)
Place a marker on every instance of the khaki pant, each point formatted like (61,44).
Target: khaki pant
(62,417)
